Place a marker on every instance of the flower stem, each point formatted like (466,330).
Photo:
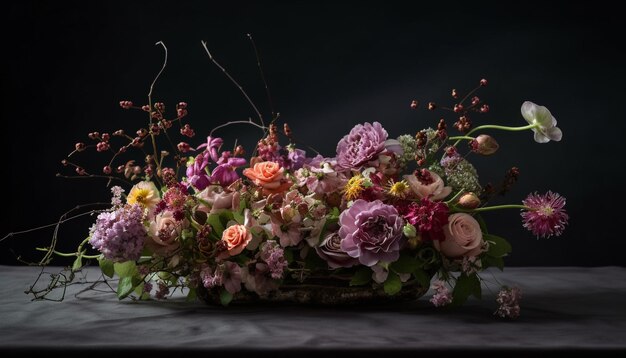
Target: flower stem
(498,207)
(492,126)
(461,137)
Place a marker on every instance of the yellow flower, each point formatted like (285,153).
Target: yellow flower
(354,187)
(399,189)
(145,193)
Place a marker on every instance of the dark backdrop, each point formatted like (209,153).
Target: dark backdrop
(66,65)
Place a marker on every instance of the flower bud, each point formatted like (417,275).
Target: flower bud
(486,145)
(469,201)
(414,242)
(409,231)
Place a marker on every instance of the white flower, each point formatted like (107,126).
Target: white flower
(540,116)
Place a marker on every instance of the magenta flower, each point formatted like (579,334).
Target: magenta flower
(362,144)
(429,218)
(225,174)
(212,145)
(196,173)
(545,215)
(371,232)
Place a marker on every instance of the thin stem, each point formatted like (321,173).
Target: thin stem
(267,88)
(504,128)
(154,146)
(249,121)
(204,44)
(497,207)
(61,221)
(461,137)
(110,177)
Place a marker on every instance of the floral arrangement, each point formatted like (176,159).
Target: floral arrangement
(382,214)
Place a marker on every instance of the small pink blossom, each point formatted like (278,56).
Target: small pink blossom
(442,296)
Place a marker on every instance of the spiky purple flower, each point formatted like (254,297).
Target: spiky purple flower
(546,215)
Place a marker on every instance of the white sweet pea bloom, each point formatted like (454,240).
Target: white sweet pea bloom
(540,116)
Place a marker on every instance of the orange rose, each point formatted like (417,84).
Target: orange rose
(236,238)
(269,176)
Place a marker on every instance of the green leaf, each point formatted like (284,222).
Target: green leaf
(393,284)
(225,297)
(125,287)
(481,222)
(490,261)
(288,255)
(125,269)
(78,263)
(361,277)
(313,261)
(422,277)
(187,234)
(106,266)
(216,224)
(405,264)
(192,295)
(498,246)
(466,286)
(239,218)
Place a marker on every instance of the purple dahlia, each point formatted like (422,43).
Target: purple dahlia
(371,232)
(362,144)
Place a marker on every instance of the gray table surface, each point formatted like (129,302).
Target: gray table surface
(562,308)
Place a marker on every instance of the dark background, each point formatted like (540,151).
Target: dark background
(66,65)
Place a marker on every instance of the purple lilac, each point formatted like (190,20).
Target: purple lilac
(442,296)
(274,256)
(120,235)
(508,299)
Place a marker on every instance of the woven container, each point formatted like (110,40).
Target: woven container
(319,294)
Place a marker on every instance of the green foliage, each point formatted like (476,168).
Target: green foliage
(361,277)
(78,263)
(393,284)
(481,222)
(126,285)
(490,261)
(405,264)
(422,277)
(106,266)
(125,269)
(466,286)
(225,297)
(498,246)
(192,295)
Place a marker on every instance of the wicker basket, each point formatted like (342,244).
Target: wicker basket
(319,294)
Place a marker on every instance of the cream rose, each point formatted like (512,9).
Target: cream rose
(269,176)
(436,190)
(236,238)
(217,198)
(164,232)
(463,236)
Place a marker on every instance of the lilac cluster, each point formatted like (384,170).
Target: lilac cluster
(508,299)
(274,257)
(442,296)
(120,235)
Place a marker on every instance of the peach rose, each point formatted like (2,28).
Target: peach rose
(236,238)
(436,190)
(269,176)
(463,236)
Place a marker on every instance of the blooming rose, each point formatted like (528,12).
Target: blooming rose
(269,176)
(371,232)
(362,144)
(330,250)
(434,189)
(164,232)
(216,197)
(463,237)
(236,238)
